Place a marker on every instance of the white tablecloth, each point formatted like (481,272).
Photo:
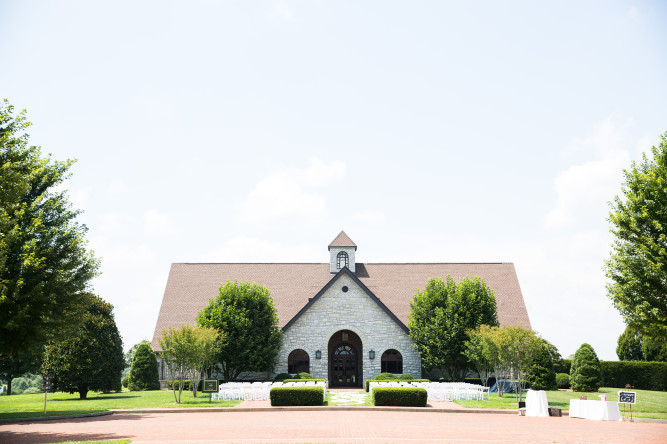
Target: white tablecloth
(597,410)
(536,403)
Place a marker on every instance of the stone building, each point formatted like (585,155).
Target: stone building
(343,321)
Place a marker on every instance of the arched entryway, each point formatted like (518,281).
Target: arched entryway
(345,359)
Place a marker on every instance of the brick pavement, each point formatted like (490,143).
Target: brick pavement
(332,426)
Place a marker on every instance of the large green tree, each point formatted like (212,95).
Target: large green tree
(633,345)
(245,314)
(441,317)
(144,372)
(18,365)
(637,266)
(92,357)
(585,372)
(45,268)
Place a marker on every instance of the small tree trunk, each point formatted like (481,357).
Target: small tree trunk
(83,392)
(9,386)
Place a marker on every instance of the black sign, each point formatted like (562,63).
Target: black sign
(210,386)
(627,397)
(46,379)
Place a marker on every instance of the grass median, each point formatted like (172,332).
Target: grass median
(650,404)
(60,404)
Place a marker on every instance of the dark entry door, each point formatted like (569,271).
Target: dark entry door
(345,366)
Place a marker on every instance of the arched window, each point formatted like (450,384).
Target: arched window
(343,260)
(298,362)
(392,362)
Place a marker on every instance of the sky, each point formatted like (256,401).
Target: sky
(430,131)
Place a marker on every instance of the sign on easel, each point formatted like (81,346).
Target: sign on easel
(46,380)
(210,386)
(627,398)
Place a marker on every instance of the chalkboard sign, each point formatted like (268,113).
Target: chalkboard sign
(210,386)
(627,397)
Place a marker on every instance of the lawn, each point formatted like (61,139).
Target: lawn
(22,406)
(650,404)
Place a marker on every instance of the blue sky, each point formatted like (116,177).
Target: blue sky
(236,131)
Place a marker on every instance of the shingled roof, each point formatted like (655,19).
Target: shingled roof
(342,240)
(191,286)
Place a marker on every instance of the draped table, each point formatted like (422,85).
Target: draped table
(536,403)
(597,410)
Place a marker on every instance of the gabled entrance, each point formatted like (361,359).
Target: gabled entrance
(345,363)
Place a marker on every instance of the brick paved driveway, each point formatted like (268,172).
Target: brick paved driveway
(332,427)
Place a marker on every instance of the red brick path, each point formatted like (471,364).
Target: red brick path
(330,426)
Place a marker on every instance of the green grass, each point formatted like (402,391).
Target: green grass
(650,404)
(21,406)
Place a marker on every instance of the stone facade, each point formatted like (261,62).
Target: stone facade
(333,256)
(353,310)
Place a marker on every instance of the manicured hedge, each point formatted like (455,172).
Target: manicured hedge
(303,380)
(563,366)
(562,380)
(639,374)
(400,396)
(368,381)
(282,396)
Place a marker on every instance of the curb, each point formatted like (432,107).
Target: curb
(49,418)
(314,409)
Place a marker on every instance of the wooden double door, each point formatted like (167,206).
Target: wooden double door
(345,366)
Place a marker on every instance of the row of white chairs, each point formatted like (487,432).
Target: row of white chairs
(258,391)
(440,391)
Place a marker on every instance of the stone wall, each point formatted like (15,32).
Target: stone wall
(353,310)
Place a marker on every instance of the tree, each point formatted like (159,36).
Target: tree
(187,350)
(245,314)
(45,269)
(92,357)
(629,346)
(18,365)
(511,349)
(585,373)
(637,266)
(129,355)
(541,374)
(144,373)
(441,317)
(478,353)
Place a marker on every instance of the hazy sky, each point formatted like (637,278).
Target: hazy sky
(430,131)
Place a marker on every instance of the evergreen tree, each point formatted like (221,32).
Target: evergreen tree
(585,373)
(144,373)
(92,358)
(541,374)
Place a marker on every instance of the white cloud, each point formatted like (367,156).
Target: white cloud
(584,189)
(284,196)
(158,224)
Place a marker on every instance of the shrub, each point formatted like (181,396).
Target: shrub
(585,373)
(144,372)
(563,366)
(303,380)
(541,374)
(303,375)
(289,396)
(400,396)
(282,377)
(385,376)
(639,374)
(126,381)
(563,380)
(405,377)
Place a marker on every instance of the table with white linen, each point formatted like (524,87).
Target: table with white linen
(536,403)
(597,410)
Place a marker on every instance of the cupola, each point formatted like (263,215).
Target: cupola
(341,253)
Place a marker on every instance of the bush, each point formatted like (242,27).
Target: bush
(144,372)
(541,374)
(585,373)
(400,396)
(126,381)
(282,377)
(303,375)
(290,396)
(385,376)
(405,377)
(187,384)
(563,366)
(639,374)
(563,380)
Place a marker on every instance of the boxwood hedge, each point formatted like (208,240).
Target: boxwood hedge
(281,396)
(400,396)
(639,374)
